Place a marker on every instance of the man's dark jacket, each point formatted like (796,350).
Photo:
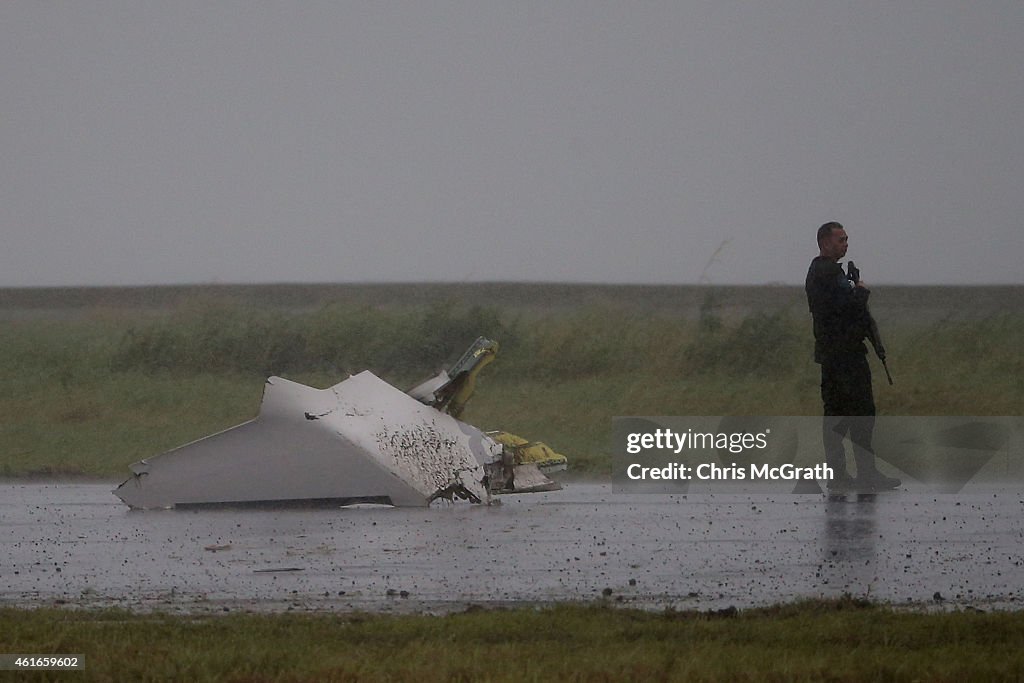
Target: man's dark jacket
(839,310)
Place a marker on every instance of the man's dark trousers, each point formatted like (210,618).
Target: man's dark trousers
(849,409)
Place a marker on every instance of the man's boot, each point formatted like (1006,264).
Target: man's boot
(868,477)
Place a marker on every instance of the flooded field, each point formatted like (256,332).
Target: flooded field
(77,545)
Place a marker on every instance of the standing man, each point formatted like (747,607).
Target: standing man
(839,309)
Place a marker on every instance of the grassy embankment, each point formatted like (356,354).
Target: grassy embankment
(842,640)
(94,382)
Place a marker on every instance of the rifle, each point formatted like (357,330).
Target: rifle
(853,274)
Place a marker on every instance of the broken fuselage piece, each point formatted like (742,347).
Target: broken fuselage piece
(360,441)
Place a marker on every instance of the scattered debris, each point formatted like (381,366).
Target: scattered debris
(531,452)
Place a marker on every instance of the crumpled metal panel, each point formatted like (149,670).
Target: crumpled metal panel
(360,440)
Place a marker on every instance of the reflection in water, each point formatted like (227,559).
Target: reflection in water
(849,553)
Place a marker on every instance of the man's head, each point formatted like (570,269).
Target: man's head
(832,241)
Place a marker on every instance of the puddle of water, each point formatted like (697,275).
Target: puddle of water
(76,544)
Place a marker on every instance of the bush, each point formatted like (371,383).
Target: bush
(761,343)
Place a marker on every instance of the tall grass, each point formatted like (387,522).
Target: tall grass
(215,337)
(89,394)
(593,341)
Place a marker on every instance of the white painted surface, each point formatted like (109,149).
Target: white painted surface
(359,439)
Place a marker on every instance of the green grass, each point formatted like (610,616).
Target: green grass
(96,379)
(841,640)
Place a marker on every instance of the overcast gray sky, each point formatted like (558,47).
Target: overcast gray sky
(175,142)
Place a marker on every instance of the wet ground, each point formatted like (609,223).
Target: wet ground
(77,545)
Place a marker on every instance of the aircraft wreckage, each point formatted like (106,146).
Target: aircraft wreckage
(360,441)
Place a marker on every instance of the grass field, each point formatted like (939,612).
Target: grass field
(98,378)
(842,640)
